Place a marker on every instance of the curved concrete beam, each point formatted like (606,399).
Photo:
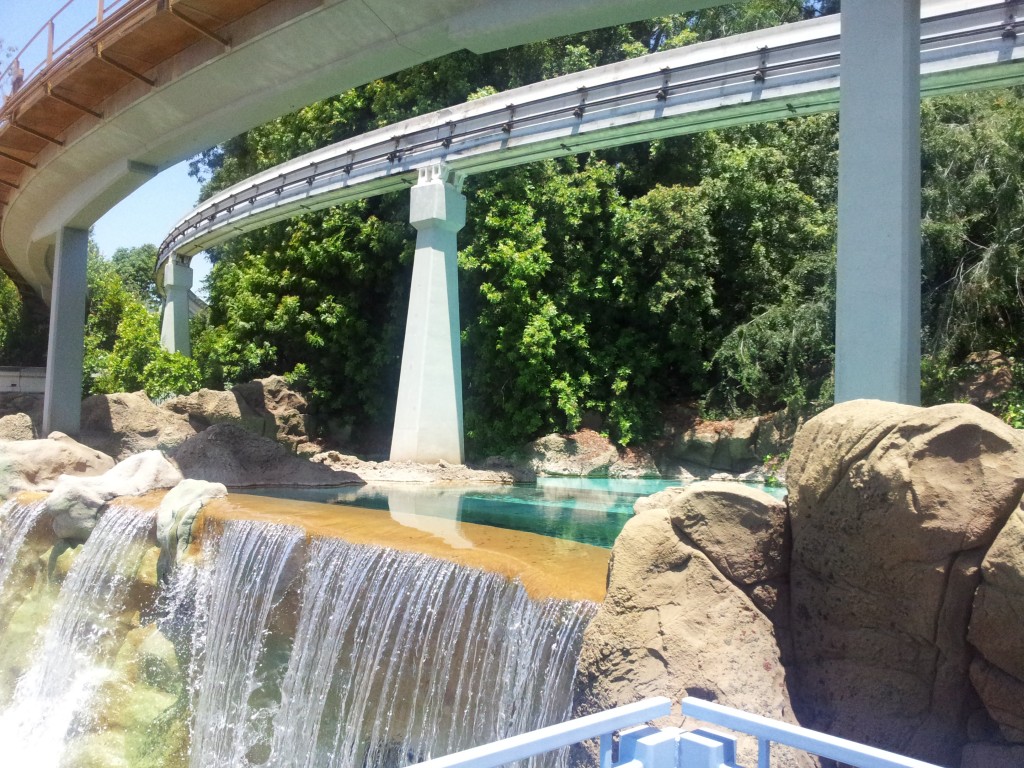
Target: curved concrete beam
(282,56)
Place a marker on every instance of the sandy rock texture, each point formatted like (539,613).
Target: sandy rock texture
(127,423)
(17,426)
(674,624)
(892,510)
(410,472)
(35,465)
(267,407)
(998,674)
(587,454)
(230,454)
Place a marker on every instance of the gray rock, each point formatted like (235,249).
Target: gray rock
(75,503)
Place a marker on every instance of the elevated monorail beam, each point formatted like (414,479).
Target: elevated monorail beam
(761,76)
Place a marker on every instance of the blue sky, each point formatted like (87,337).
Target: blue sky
(152,211)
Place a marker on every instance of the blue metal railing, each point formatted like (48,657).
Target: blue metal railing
(648,747)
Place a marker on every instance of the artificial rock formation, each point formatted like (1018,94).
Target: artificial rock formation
(892,510)
(997,630)
(229,454)
(76,502)
(127,423)
(587,454)
(35,465)
(673,624)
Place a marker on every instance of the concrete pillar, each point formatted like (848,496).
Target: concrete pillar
(428,416)
(174,317)
(62,394)
(878,307)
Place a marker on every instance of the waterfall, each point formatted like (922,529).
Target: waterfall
(16,522)
(270,648)
(249,575)
(394,657)
(70,661)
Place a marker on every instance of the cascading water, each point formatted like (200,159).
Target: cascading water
(395,657)
(268,648)
(248,576)
(16,522)
(71,660)
(399,657)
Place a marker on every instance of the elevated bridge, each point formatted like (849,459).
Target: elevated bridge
(148,83)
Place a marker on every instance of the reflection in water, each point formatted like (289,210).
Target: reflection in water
(588,510)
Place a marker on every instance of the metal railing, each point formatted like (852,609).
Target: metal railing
(649,747)
(54,41)
(780,72)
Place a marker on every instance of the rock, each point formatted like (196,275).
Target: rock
(1003,696)
(745,533)
(727,445)
(992,756)
(411,472)
(175,517)
(673,625)
(75,503)
(228,454)
(742,530)
(587,454)
(891,509)
(998,606)
(283,407)
(989,376)
(17,426)
(208,406)
(35,465)
(127,423)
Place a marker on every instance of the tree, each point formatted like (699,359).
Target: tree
(122,340)
(136,268)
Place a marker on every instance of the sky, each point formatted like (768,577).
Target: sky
(146,216)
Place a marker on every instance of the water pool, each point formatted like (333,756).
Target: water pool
(587,510)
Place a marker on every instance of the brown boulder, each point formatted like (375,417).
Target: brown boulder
(891,507)
(228,454)
(586,454)
(127,423)
(992,756)
(208,406)
(745,533)
(35,465)
(998,607)
(673,625)
(284,409)
(17,426)
(725,445)
(987,376)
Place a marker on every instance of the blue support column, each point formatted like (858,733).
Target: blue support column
(174,316)
(878,302)
(62,398)
(428,416)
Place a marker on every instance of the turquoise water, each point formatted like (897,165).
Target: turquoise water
(588,510)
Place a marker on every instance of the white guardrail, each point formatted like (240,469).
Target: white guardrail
(642,746)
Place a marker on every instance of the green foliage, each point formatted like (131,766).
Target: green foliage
(122,340)
(135,266)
